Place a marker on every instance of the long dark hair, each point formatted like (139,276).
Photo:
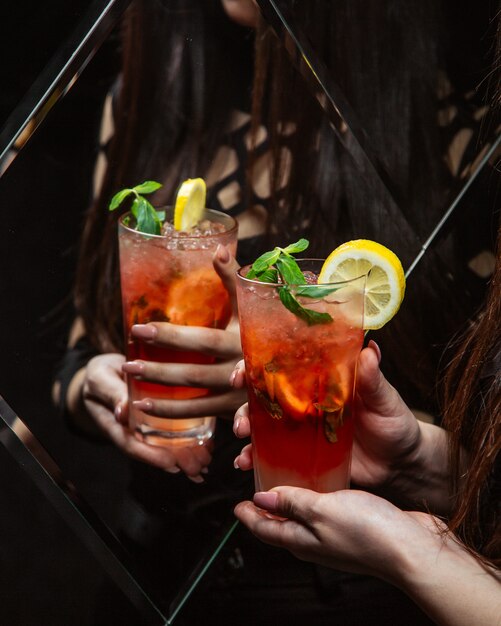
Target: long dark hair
(176,89)
(472,410)
(393,90)
(472,415)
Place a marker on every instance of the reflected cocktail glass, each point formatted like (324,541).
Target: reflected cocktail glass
(171,278)
(301,380)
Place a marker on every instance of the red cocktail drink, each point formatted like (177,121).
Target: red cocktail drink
(170,278)
(301,381)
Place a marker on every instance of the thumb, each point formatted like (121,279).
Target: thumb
(226,267)
(373,390)
(105,382)
(292,503)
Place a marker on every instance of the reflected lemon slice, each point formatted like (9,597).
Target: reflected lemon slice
(385,286)
(190,204)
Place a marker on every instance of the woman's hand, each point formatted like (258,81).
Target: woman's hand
(387,434)
(386,429)
(358,532)
(224,345)
(393,453)
(104,395)
(352,531)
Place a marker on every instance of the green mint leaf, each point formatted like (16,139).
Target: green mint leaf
(265,261)
(134,209)
(315,291)
(149,186)
(161,216)
(269,276)
(289,270)
(307,315)
(299,246)
(118,198)
(147,218)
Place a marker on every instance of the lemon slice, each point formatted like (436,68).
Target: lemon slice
(190,204)
(385,286)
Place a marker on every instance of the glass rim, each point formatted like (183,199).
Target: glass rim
(253,281)
(232,229)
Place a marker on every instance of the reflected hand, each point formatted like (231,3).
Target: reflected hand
(224,345)
(104,394)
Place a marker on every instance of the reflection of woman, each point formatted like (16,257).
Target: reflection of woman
(452,571)
(182,108)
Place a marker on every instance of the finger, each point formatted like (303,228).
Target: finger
(226,267)
(214,375)
(212,341)
(373,390)
(241,423)
(111,394)
(293,503)
(237,377)
(244,460)
(374,346)
(283,533)
(192,461)
(217,404)
(121,413)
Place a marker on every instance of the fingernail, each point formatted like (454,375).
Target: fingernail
(237,378)
(236,425)
(196,479)
(222,253)
(133,367)
(144,331)
(266,500)
(118,412)
(376,349)
(235,463)
(204,470)
(172,470)
(143,405)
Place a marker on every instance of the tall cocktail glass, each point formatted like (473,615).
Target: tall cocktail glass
(301,380)
(171,278)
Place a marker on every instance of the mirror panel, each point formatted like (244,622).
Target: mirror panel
(59,562)
(48,62)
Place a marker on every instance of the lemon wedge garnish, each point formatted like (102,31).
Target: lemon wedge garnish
(190,204)
(385,286)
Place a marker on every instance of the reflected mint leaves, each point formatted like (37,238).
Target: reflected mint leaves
(148,219)
(279,265)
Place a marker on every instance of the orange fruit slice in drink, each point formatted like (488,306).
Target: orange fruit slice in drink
(296,401)
(198,299)
(190,204)
(385,286)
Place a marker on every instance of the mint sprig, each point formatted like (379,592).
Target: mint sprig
(280,264)
(148,219)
